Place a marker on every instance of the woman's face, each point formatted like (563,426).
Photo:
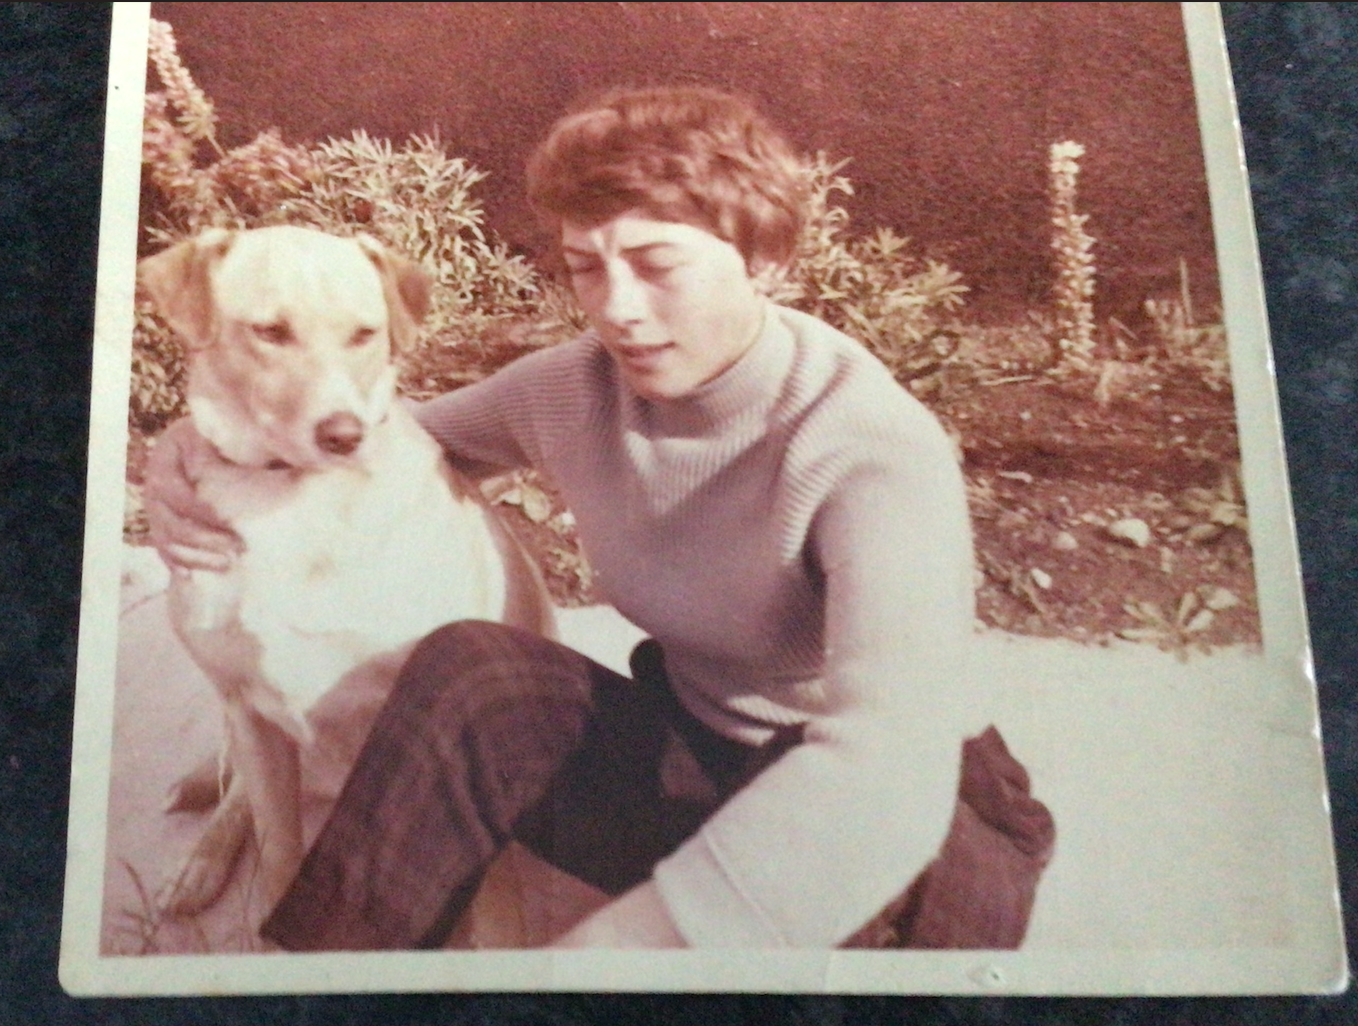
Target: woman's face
(673,304)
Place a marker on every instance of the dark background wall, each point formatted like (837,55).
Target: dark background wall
(946,109)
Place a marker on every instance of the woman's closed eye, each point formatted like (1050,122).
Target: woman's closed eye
(653,269)
(648,270)
(583,268)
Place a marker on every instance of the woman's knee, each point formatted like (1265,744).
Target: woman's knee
(468,646)
(476,664)
(466,639)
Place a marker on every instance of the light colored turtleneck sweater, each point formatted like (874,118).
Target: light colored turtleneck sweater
(795,535)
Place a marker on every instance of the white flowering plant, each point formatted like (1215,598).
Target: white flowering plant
(1073,256)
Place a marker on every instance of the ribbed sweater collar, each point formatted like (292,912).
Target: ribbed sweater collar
(749,388)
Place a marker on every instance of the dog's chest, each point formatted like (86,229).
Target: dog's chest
(341,570)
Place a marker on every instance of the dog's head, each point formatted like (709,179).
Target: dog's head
(290,334)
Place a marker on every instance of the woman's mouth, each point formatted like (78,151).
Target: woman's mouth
(641,357)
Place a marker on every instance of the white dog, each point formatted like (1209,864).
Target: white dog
(358,538)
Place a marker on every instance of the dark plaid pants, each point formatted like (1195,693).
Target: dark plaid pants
(493,734)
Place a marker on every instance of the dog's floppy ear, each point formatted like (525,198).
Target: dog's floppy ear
(406,285)
(178,282)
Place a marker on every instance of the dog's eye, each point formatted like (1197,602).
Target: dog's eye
(362,337)
(277,334)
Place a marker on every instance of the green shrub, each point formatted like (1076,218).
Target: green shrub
(157,374)
(870,287)
(1185,346)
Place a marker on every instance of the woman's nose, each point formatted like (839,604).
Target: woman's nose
(624,300)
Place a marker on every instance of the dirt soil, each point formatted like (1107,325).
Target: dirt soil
(1096,519)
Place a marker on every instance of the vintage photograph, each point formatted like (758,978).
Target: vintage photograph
(589,489)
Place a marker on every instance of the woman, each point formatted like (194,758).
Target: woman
(756,493)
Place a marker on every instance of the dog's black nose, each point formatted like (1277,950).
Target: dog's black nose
(339,433)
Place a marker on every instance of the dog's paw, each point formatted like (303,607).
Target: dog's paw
(201,788)
(198,884)
(203,876)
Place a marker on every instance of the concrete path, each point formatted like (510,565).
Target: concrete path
(1177,787)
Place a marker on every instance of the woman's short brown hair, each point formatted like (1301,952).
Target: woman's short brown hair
(685,154)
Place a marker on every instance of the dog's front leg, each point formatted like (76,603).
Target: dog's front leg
(205,871)
(266,761)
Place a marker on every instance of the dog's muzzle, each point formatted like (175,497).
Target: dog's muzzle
(339,434)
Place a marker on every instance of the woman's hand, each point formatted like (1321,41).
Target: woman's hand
(186,531)
(638,919)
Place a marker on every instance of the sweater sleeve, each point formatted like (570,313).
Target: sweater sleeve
(500,423)
(840,825)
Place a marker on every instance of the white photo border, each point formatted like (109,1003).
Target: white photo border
(1314,961)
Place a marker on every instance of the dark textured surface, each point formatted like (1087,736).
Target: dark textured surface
(1297,76)
(946,109)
